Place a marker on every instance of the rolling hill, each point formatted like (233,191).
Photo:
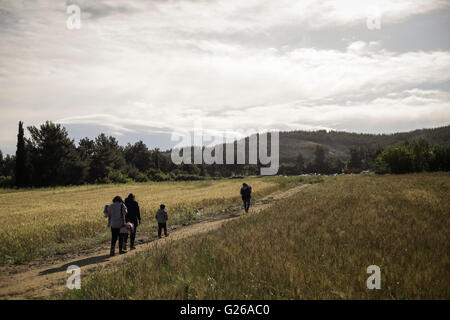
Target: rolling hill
(338,143)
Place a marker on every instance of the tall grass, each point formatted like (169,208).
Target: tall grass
(67,219)
(314,245)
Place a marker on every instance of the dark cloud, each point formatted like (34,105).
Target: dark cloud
(97,9)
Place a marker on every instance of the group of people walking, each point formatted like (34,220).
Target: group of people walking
(125,216)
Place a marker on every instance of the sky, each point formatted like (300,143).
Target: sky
(140,70)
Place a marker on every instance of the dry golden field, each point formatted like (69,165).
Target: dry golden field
(315,245)
(66,219)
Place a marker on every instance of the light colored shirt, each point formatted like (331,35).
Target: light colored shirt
(116,212)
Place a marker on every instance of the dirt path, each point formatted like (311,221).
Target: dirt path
(47,277)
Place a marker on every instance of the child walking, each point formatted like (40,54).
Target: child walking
(162,217)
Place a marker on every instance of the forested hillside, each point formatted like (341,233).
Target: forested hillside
(338,144)
(49,157)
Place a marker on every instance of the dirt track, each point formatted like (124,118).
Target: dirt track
(47,277)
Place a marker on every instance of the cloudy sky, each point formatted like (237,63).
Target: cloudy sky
(141,69)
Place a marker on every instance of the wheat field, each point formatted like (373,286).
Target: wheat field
(66,219)
(315,245)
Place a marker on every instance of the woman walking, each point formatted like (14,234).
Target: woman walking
(116,212)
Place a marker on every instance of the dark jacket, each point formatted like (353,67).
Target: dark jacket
(161,216)
(246,192)
(134,214)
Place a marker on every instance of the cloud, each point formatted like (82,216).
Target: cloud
(403,109)
(233,16)
(155,66)
(101,9)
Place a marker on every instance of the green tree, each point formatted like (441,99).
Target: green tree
(9,165)
(319,159)
(86,148)
(107,157)
(300,163)
(54,156)
(355,158)
(420,152)
(2,164)
(440,158)
(337,166)
(21,172)
(396,159)
(162,162)
(288,169)
(139,156)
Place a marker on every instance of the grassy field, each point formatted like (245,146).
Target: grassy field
(67,219)
(314,245)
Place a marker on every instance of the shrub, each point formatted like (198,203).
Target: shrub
(395,160)
(414,156)
(116,176)
(6,182)
(141,177)
(158,176)
(188,177)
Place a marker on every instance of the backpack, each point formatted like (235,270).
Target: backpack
(124,228)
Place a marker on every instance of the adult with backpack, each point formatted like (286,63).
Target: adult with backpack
(116,213)
(133,216)
(246,194)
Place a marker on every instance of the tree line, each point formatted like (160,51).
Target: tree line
(361,158)
(407,157)
(337,144)
(50,158)
(414,156)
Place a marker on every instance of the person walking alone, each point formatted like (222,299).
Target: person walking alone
(246,193)
(116,212)
(162,217)
(133,216)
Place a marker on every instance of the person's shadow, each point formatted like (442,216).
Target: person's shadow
(79,263)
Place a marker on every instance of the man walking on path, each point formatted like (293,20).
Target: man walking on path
(246,193)
(133,216)
(161,217)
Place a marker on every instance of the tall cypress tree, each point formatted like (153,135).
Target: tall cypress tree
(319,159)
(2,164)
(21,156)
(300,163)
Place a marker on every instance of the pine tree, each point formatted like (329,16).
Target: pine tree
(2,164)
(355,158)
(21,175)
(319,159)
(54,156)
(300,163)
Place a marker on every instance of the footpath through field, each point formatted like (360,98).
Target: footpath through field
(47,277)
